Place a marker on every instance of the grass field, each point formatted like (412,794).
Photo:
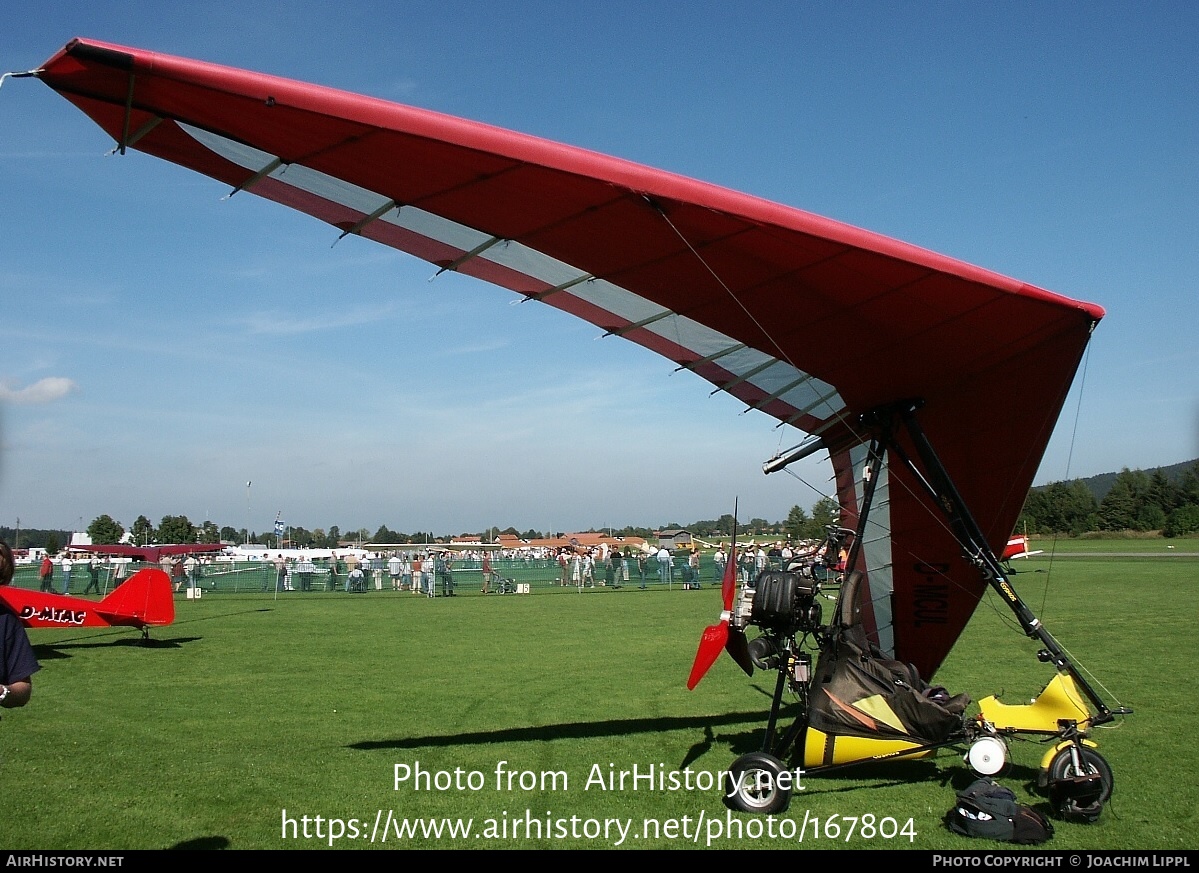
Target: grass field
(1099,545)
(249,706)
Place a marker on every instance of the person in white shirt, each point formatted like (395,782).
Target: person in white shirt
(66,574)
(665,566)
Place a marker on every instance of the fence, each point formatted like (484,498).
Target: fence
(227,577)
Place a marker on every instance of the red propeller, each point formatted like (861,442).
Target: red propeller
(720,636)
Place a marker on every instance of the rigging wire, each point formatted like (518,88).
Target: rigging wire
(850,425)
(1082,383)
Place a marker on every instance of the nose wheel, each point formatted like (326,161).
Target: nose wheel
(1079,783)
(759,783)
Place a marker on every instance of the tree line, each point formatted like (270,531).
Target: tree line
(1137,501)
(105,530)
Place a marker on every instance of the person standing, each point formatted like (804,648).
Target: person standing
(17,661)
(93,575)
(46,574)
(445,574)
(67,564)
(665,566)
(720,560)
(576,570)
(304,569)
(761,562)
(280,572)
(486,573)
(746,564)
(395,569)
(427,572)
(563,567)
(177,573)
(405,572)
(415,573)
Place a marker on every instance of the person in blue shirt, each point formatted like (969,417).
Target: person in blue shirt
(17,661)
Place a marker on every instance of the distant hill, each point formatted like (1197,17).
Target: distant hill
(1101,484)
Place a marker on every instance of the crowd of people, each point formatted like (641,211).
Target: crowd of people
(431,571)
(417,572)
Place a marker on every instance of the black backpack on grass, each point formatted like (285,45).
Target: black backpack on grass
(987,809)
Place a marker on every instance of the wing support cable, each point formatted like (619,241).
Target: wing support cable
(782,355)
(662,212)
(945,495)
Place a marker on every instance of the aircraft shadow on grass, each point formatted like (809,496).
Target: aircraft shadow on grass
(201,844)
(565,731)
(60,650)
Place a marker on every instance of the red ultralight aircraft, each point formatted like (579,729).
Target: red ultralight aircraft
(143,601)
(891,358)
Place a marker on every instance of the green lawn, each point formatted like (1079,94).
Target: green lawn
(1123,545)
(250,709)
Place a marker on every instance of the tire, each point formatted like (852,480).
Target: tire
(1062,768)
(753,784)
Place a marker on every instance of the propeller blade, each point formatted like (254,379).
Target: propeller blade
(710,645)
(738,649)
(728,585)
(717,636)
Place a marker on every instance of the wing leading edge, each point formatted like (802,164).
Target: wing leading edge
(808,320)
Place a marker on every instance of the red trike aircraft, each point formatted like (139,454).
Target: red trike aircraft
(896,361)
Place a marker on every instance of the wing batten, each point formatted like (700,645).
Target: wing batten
(707,359)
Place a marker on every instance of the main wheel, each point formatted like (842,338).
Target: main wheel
(1064,775)
(758,782)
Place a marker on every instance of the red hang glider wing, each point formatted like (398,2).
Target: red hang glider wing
(808,320)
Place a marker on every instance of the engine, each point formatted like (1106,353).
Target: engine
(783,604)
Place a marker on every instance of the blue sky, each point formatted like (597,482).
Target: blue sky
(163,346)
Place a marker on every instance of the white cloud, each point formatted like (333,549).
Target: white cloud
(287,324)
(42,391)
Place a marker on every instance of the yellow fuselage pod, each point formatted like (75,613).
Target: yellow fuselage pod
(1059,701)
(844,750)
